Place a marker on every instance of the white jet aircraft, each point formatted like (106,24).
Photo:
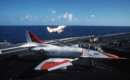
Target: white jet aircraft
(61,57)
(59,29)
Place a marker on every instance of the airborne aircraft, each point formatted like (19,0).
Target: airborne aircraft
(61,57)
(59,29)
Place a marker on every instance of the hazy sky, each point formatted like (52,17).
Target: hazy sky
(65,12)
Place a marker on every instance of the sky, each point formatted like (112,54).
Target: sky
(65,12)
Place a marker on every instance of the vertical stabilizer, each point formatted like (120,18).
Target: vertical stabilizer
(28,37)
(49,28)
(32,38)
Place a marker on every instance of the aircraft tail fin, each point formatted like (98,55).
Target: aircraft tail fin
(32,38)
(49,28)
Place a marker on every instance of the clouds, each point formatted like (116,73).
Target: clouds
(28,17)
(92,15)
(68,16)
(52,11)
(62,11)
(52,19)
(56,18)
(63,18)
(90,19)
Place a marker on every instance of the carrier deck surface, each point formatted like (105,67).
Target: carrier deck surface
(21,66)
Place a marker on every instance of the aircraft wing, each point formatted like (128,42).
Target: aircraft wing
(61,27)
(29,45)
(54,63)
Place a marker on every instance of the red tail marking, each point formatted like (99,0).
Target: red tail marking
(110,55)
(50,28)
(49,65)
(34,38)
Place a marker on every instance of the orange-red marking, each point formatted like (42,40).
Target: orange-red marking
(50,28)
(34,38)
(110,55)
(49,65)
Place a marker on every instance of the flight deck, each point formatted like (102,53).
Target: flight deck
(18,63)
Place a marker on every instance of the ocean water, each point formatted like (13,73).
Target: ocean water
(16,34)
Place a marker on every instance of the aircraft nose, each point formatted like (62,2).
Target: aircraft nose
(114,56)
(110,55)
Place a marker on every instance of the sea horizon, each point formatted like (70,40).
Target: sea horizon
(16,34)
(72,25)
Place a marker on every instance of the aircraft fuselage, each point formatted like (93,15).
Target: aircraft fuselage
(56,51)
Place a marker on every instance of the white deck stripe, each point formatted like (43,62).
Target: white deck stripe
(2,42)
(10,48)
(15,50)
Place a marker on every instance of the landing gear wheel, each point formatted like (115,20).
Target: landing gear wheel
(41,50)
